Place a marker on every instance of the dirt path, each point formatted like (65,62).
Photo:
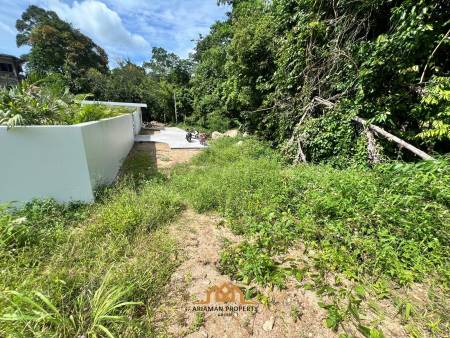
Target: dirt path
(291,312)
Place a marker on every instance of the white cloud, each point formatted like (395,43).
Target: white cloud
(124,28)
(171,24)
(102,24)
(7,29)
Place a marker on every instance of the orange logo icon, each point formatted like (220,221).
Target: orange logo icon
(225,293)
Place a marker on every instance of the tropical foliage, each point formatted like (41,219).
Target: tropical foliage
(35,103)
(297,71)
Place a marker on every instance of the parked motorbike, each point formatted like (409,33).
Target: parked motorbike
(189,136)
(203,139)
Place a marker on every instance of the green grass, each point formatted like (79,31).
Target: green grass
(362,235)
(384,226)
(88,270)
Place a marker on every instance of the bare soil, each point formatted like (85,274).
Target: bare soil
(166,158)
(291,312)
(201,237)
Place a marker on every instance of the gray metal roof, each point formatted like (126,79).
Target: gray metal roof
(15,58)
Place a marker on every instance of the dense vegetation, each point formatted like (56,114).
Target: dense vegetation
(295,72)
(39,103)
(357,237)
(298,71)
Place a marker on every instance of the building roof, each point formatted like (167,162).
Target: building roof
(15,58)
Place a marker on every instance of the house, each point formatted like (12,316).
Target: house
(10,69)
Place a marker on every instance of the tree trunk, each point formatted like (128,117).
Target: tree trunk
(372,150)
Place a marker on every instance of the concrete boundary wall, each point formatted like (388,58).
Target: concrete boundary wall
(67,163)
(137,115)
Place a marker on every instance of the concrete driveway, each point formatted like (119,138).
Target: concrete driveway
(174,137)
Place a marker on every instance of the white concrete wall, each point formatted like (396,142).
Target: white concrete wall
(107,144)
(66,163)
(137,114)
(137,121)
(43,162)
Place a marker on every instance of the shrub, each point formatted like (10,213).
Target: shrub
(95,112)
(31,103)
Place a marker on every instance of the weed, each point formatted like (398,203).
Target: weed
(376,228)
(198,322)
(296,313)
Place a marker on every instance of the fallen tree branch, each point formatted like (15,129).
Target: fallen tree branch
(393,138)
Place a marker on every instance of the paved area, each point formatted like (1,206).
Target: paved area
(174,137)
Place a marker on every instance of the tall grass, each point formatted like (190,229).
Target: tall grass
(104,273)
(381,226)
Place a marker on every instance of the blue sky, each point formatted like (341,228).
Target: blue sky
(125,29)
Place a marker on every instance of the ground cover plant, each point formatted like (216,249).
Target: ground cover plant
(358,237)
(366,233)
(92,270)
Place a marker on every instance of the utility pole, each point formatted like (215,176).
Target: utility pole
(175,103)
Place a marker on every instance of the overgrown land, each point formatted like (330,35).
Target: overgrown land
(318,200)
(366,240)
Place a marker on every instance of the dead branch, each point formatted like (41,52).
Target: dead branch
(300,154)
(432,54)
(377,130)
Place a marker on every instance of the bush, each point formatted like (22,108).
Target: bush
(391,221)
(95,112)
(31,103)
(36,222)
(216,121)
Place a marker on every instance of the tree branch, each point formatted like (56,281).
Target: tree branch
(393,138)
(432,54)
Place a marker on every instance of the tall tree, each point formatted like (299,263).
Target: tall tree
(57,47)
(169,67)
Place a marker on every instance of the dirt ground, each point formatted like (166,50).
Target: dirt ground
(202,237)
(164,157)
(291,312)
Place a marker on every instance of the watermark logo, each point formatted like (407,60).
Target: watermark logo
(225,299)
(225,293)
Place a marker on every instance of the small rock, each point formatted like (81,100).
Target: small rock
(204,334)
(232,133)
(245,134)
(216,135)
(268,325)
(239,144)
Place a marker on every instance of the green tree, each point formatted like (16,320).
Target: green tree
(57,47)
(297,71)
(168,66)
